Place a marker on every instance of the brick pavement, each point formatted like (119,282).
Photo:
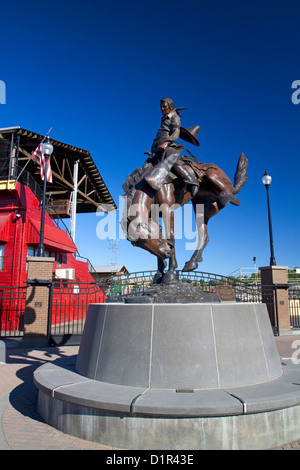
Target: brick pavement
(21,427)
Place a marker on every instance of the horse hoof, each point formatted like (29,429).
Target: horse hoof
(169,278)
(190,266)
(157,278)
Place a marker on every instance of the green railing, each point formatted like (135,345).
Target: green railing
(136,283)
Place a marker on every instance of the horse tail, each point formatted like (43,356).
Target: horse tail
(240,176)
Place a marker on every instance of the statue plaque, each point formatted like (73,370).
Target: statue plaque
(226,293)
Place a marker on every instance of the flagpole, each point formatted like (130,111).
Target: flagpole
(41,249)
(47,151)
(32,157)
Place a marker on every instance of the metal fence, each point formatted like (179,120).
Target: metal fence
(69,300)
(136,283)
(69,304)
(294,300)
(12,308)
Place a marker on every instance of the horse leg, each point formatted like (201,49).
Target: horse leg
(202,218)
(167,207)
(223,185)
(161,265)
(170,275)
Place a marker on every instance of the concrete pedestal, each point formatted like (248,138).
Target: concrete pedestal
(175,376)
(176,346)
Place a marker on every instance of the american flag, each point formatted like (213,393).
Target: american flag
(38,154)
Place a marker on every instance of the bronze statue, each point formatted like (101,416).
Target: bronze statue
(174,188)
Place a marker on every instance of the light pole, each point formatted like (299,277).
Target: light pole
(267,181)
(47,148)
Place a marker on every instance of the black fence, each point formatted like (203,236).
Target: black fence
(12,308)
(136,283)
(69,304)
(294,301)
(69,300)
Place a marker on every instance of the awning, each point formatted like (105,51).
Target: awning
(53,237)
(4,227)
(92,192)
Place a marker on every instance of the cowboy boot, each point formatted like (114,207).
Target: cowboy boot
(180,171)
(157,176)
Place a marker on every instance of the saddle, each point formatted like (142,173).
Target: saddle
(199,168)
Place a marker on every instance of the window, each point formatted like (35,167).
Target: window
(2,249)
(32,251)
(61,258)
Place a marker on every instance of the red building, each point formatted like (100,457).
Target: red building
(20,219)
(77,187)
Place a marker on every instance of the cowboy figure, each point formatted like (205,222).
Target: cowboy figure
(165,151)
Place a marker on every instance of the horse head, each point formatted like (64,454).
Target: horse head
(148,235)
(161,248)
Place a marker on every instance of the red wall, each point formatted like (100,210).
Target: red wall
(23,202)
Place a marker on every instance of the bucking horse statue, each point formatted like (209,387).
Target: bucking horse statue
(140,221)
(167,181)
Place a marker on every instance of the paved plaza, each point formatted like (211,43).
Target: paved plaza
(21,427)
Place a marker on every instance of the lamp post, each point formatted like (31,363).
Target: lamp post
(267,179)
(47,151)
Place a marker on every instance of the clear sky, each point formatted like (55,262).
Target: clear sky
(96,70)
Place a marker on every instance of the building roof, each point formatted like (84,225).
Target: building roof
(92,192)
(116,268)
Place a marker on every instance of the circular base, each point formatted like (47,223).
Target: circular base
(258,431)
(157,376)
(179,346)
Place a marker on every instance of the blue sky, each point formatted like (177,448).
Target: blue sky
(95,71)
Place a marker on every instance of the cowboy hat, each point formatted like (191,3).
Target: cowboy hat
(190,134)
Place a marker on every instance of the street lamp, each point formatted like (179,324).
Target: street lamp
(47,148)
(267,179)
